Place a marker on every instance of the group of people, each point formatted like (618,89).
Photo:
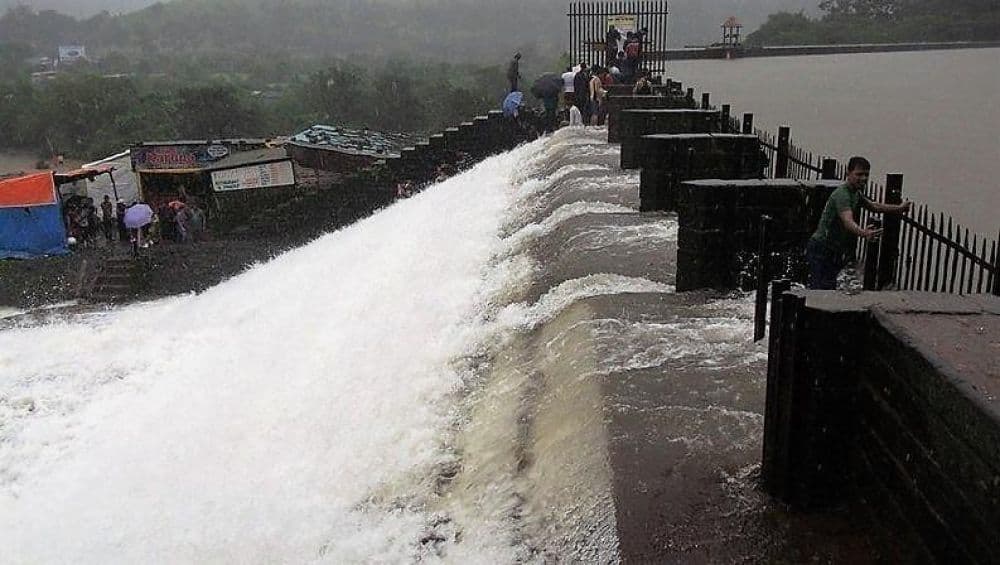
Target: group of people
(86,225)
(624,54)
(585,91)
(178,221)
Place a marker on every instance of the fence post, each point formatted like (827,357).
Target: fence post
(869,278)
(889,244)
(748,123)
(781,162)
(726,111)
(705,100)
(996,268)
(760,311)
(829,169)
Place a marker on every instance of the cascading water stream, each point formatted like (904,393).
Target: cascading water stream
(383,394)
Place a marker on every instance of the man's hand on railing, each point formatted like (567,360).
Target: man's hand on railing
(871,234)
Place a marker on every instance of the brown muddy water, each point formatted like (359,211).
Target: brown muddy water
(933,116)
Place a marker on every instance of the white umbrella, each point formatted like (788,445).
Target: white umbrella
(137,216)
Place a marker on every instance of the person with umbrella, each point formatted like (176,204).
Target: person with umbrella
(548,87)
(137,217)
(512,104)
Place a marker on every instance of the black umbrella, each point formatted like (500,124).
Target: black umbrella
(549,85)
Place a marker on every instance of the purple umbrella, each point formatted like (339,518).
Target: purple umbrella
(137,216)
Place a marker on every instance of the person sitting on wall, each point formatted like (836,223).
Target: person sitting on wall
(831,247)
(642,86)
(616,69)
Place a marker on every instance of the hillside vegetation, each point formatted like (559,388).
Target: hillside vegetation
(884,21)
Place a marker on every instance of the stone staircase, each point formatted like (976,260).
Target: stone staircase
(118,277)
(326,200)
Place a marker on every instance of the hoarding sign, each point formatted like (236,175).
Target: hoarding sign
(624,23)
(176,156)
(254,176)
(70,53)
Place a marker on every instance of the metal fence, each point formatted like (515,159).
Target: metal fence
(588,26)
(923,251)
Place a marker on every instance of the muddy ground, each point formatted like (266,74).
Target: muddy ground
(174,269)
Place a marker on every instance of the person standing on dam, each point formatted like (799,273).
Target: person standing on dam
(514,71)
(831,247)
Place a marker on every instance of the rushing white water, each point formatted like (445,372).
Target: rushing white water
(362,398)
(293,413)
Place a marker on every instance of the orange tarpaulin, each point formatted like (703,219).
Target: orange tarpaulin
(32,190)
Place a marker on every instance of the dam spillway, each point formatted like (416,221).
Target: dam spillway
(496,370)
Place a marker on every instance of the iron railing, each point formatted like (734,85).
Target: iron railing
(588,26)
(922,251)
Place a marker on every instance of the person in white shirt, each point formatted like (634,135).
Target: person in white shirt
(567,77)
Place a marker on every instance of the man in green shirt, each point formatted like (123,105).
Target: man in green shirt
(832,246)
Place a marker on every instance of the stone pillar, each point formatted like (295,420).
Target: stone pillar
(635,123)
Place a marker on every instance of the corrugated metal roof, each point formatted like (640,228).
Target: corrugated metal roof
(241,158)
(363,142)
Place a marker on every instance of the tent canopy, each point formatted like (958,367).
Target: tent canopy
(31,223)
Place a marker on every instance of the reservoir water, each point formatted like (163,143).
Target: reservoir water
(933,116)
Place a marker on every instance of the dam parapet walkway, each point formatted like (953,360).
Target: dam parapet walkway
(883,400)
(642,407)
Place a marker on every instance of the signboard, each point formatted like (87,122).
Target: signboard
(159,157)
(217,151)
(624,23)
(71,53)
(267,175)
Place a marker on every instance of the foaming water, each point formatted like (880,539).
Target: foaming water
(383,394)
(297,412)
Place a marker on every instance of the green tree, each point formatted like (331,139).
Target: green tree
(865,9)
(339,94)
(213,111)
(397,106)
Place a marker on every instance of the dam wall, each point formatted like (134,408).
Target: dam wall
(806,50)
(631,413)
(886,401)
(330,201)
(891,397)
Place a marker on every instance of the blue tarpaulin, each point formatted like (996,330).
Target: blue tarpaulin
(31,223)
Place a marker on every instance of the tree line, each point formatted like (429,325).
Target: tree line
(884,21)
(430,30)
(88,115)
